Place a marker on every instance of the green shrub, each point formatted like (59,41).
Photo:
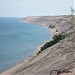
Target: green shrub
(55,40)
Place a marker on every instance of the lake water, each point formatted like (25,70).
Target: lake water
(19,40)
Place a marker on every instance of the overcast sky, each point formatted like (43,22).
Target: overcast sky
(23,8)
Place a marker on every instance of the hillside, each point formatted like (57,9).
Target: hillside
(57,56)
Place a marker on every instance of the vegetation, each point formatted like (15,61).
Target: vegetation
(72,18)
(59,37)
(55,40)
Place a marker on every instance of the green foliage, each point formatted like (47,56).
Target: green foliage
(55,40)
(72,18)
(71,21)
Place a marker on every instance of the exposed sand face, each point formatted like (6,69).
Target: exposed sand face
(59,56)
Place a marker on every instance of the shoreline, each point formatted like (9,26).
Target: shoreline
(55,52)
(38,48)
(30,57)
(36,51)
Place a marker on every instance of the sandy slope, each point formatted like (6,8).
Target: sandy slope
(57,57)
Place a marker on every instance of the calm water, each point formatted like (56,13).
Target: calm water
(19,40)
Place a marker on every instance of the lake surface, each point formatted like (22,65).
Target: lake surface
(19,40)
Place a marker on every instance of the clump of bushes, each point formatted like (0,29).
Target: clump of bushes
(55,40)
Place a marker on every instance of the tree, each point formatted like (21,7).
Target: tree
(72,18)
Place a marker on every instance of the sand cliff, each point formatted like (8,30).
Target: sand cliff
(59,56)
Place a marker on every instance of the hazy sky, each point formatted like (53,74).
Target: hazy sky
(23,8)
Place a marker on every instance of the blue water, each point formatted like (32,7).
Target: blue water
(19,40)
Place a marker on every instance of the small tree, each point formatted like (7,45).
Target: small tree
(72,11)
(72,19)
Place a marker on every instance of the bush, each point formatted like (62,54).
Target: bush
(55,40)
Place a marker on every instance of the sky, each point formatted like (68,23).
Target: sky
(24,8)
